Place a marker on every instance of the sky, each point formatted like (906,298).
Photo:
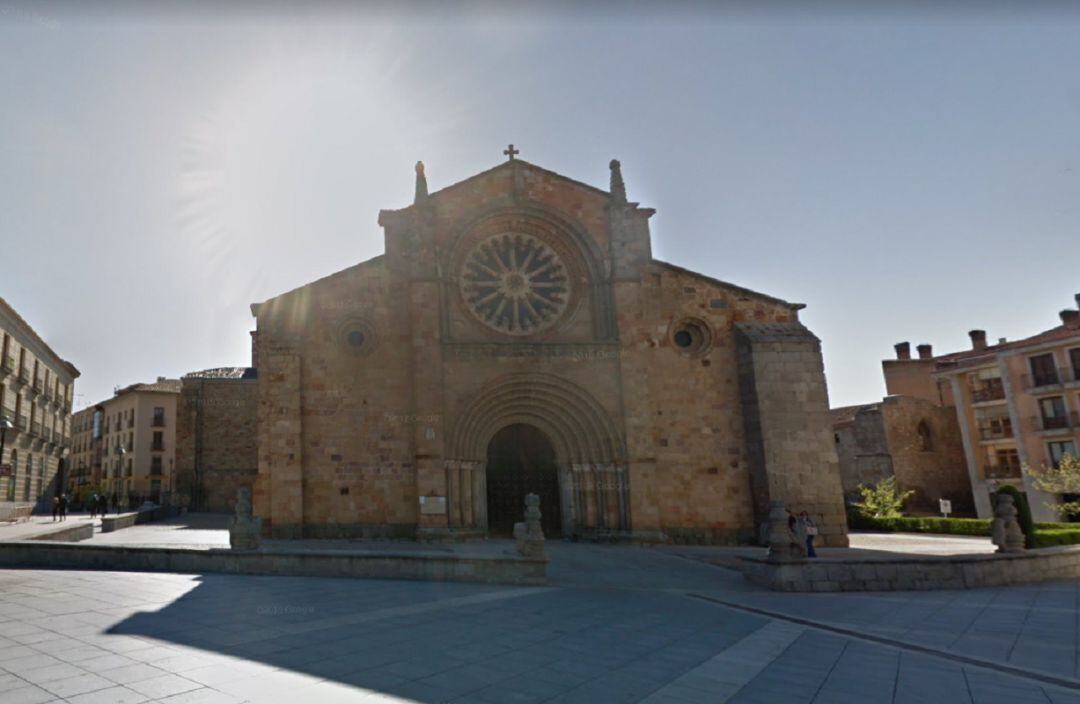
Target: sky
(908,175)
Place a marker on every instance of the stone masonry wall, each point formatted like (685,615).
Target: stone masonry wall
(216,450)
(788,427)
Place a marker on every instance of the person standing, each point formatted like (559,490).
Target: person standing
(63,507)
(55,507)
(103,505)
(807,531)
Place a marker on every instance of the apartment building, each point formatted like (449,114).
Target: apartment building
(36,387)
(1017,404)
(127,443)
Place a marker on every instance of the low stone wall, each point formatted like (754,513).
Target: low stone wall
(433,566)
(14,511)
(915,573)
(126,520)
(68,533)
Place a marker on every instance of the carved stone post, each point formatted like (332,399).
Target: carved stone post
(529,534)
(1005,530)
(244,529)
(783,546)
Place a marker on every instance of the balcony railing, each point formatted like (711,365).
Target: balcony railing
(24,375)
(1002,471)
(991,392)
(20,421)
(1062,422)
(996,432)
(7,364)
(158,423)
(37,384)
(1051,377)
(157,447)
(35,428)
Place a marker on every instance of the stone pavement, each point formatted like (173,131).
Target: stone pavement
(618,624)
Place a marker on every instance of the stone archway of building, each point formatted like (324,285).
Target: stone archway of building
(521,461)
(589,453)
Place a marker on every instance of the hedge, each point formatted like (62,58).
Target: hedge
(908,524)
(1047,537)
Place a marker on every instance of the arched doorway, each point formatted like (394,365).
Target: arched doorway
(520,461)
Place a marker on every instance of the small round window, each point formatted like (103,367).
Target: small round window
(691,337)
(357,335)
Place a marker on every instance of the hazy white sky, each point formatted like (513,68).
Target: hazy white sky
(908,176)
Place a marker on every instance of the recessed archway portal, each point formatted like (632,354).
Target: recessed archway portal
(521,460)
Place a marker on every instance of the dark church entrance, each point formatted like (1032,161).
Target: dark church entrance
(521,460)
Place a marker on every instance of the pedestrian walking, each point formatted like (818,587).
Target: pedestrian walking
(55,507)
(63,507)
(807,531)
(103,505)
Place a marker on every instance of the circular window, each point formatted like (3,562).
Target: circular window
(515,284)
(691,336)
(356,335)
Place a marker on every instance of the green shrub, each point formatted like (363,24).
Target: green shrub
(947,526)
(1048,537)
(1023,512)
(881,500)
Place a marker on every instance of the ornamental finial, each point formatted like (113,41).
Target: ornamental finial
(421,183)
(618,188)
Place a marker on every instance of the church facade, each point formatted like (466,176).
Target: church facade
(517,336)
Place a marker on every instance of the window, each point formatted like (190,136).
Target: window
(1053,412)
(1043,371)
(155,464)
(1074,358)
(159,417)
(29,475)
(985,385)
(926,442)
(14,474)
(159,442)
(1057,450)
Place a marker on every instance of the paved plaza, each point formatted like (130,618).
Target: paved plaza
(617,624)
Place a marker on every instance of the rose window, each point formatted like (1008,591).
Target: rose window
(515,284)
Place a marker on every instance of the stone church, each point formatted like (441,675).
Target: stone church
(518,336)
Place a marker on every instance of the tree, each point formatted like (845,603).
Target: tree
(1062,479)
(882,500)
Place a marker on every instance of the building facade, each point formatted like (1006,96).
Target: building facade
(913,440)
(132,443)
(216,439)
(36,391)
(518,336)
(1017,405)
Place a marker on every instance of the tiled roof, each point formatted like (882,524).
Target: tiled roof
(971,358)
(223,373)
(846,414)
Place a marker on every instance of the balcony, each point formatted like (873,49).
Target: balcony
(7,365)
(20,421)
(990,392)
(157,447)
(158,422)
(1051,378)
(1070,420)
(24,375)
(35,428)
(1003,431)
(1002,471)
(37,384)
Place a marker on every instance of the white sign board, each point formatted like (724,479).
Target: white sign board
(946,506)
(432,504)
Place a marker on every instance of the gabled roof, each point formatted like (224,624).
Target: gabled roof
(725,284)
(367,262)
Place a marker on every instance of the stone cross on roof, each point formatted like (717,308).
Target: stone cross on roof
(510,152)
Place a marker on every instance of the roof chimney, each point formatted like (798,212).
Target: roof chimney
(1077,299)
(925,351)
(903,350)
(1070,318)
(978,339)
